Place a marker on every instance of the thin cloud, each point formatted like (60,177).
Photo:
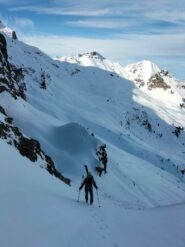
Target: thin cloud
(16,2)
(177,17)
(102,23)
(18,24)
(63,11)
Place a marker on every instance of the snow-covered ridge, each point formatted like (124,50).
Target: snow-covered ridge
(94,59)
(141,73)
(7,31)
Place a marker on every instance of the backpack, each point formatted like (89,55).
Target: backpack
(89,182)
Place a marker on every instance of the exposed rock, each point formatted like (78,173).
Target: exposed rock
(102,156)
(11,78)
(140,117)
(2,111)
(182,105)
(14,35)
(74,72)
(43,81)
(157,81)
(178,130)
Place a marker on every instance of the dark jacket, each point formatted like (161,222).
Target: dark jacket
(89,183)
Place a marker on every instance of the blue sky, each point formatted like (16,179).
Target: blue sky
(124,31)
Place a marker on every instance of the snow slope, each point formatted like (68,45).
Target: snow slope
(72,110)
(38,210)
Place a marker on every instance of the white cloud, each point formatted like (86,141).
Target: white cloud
(23,22)
(126,45)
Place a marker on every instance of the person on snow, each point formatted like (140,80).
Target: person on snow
(89,183)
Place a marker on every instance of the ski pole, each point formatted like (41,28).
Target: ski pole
(98,199)
(79,190)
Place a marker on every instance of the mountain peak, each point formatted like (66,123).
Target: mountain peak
(92,55)
(142,70)
(7,31)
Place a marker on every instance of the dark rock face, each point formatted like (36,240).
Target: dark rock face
(102,156)
(178,131)
(2,111)
(11,78)
(3,48)
(29,148)
(43,81)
